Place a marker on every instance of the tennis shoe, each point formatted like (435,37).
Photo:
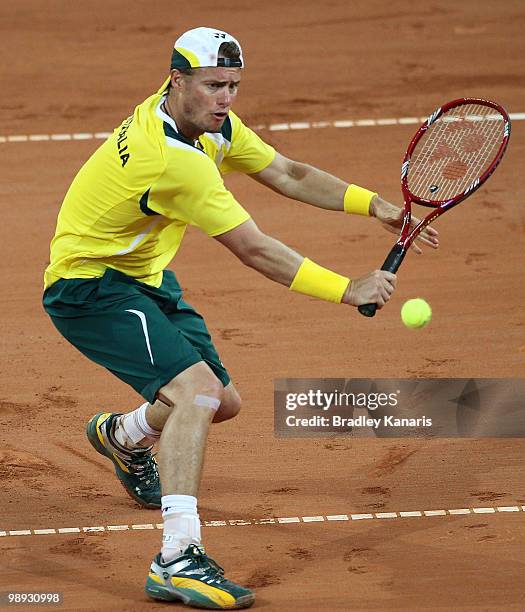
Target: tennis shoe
(197,581)
(136,469)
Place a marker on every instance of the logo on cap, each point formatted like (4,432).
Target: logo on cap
(199,48)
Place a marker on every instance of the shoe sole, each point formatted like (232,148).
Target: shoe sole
(193,598)
(92,436)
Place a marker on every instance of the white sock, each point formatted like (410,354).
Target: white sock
(132,429)
(182,526)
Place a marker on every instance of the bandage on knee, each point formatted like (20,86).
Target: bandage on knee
(205,401)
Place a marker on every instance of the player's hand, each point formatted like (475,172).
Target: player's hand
(391,218)
(374,288)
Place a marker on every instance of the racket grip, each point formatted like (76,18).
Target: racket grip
(391,264)
(368,310)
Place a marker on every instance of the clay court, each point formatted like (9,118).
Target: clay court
(309,524)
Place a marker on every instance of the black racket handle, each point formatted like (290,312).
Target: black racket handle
(392,263)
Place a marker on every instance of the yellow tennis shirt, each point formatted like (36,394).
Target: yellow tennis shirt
(130,204)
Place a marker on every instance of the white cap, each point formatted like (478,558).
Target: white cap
(199,48)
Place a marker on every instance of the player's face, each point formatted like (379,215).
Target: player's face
(205,98)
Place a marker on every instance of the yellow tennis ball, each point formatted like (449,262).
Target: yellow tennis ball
(416,313)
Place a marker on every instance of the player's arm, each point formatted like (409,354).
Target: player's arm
(311,185)
(282,264)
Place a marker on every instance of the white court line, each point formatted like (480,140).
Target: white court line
(283,520)
(361,517)
(272,127)
(69,530)
(91,529)
(117,527)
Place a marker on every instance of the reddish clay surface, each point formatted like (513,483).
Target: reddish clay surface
(81,67)
(455,170)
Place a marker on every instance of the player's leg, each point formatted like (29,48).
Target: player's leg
(157,414)
(183,571)
(194,396)
(116,323)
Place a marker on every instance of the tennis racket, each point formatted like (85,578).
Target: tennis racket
(451,155)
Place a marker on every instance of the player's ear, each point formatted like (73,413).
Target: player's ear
(176,78)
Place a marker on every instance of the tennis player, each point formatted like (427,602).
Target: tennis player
(109,294)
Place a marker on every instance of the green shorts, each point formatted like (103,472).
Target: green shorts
(144,335)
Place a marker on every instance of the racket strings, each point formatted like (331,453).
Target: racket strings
(455,150)
(440,157)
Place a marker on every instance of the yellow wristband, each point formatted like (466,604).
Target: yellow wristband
(319,282)
(357,200)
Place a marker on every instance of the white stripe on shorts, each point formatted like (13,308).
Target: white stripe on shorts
(142,318)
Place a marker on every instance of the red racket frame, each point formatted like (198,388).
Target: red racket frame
(399,250)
